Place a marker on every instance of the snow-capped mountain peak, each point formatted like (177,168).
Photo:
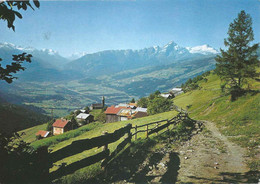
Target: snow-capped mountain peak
(50,51)
(170,44)
(202,49)
(13,46)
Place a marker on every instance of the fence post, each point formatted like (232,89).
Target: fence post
(146,131)
(135,132)
(129,135)
(157,127)
(168,125)
(105,147)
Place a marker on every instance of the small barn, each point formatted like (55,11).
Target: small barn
(43,134)
(124,114)
(111,114)
(88,118)
(61,125)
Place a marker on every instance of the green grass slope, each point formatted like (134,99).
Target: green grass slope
(87,131)
(239,120)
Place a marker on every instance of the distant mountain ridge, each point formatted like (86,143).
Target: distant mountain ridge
(111,61)
(47,64)
(51,58)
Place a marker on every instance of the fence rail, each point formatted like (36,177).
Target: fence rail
(151,123)
(148,131)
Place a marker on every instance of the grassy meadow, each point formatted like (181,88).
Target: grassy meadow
(239,120)
(87,131)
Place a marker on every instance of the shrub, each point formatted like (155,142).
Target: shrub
(101,117)
(159,105)
(49,125)
(132,101)
(143,102)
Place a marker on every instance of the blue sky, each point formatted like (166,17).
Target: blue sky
(90,26)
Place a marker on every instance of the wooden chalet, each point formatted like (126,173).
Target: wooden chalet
(88,118)
(124,114)
(111,114)
(61,125)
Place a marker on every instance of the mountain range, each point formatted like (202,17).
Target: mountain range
(112,61)
(47,64)
(52,81)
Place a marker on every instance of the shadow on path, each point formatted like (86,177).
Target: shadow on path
(172,169)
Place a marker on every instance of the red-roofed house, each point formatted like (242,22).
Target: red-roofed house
(60,126)
(111,114)
(42,133)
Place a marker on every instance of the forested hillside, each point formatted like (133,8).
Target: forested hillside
(16,118)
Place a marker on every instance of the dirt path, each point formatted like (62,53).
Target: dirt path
(210,157)
(236,161)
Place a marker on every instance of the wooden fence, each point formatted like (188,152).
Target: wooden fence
(104,140)
(158,125)
(86,144)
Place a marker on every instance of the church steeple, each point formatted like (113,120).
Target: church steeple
(103,101)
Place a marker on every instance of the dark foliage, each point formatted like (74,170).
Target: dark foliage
(101,117)
(15,118)
(159,105)
(87,109)
(132,101)
(49,125)
(19,162)
(7,72)
(155,103)
(74,123)
(7,13)
(143,102)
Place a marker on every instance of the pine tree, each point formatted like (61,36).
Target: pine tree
(239,62)
(132,101)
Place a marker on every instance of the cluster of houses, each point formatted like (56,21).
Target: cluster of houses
(120,112)
(63,125)
(123,112)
